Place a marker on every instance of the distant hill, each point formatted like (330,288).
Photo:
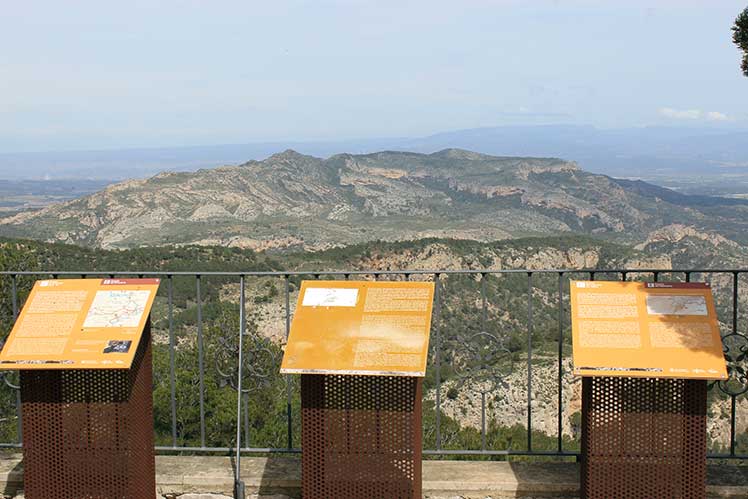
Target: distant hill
(640,152)
(20,195)
(295,201)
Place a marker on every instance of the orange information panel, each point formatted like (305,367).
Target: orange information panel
(80,324)
(646,329)
(350,327)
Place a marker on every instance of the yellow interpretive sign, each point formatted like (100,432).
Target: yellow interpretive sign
(360,327)
(80,324)
(645,329)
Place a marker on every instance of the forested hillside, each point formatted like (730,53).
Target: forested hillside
(463,313)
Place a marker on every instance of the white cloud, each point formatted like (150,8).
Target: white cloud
(692,114)
(677,114)
(717,116)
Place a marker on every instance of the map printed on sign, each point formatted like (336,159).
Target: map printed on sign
(80,324)
(349,327)
(117,309)
(644,329)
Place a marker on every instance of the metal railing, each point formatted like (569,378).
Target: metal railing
(513,329)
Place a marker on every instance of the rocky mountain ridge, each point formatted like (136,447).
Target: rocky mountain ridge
(291,201)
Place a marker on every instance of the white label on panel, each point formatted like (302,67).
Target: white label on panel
(330,297)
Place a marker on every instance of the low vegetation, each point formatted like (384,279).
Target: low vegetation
(504,313)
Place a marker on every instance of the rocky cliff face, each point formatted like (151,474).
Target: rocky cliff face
(292,201)
(506,400)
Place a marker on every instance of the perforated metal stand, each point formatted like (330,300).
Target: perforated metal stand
(643,438)
(361,437)
(88,434)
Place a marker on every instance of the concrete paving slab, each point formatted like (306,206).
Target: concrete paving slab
(204,477)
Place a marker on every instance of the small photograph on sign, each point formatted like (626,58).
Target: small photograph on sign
(676,305)
(330,297)
(117,346)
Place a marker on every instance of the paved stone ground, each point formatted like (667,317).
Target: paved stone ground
(181,477)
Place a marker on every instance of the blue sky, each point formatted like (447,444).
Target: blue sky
(95,75)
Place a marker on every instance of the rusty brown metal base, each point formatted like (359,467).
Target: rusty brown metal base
(643,438)
(88,434)
(361,437)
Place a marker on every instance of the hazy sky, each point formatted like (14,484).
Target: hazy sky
(99,74)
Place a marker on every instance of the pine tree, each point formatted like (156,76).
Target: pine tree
(740,37)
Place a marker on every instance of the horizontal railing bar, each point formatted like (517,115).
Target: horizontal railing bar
(342,273)
(430,452)
(468,452)
(727,456)
(257,450)
(426,452)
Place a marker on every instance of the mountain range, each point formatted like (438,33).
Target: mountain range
(641,152)
(301,202)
